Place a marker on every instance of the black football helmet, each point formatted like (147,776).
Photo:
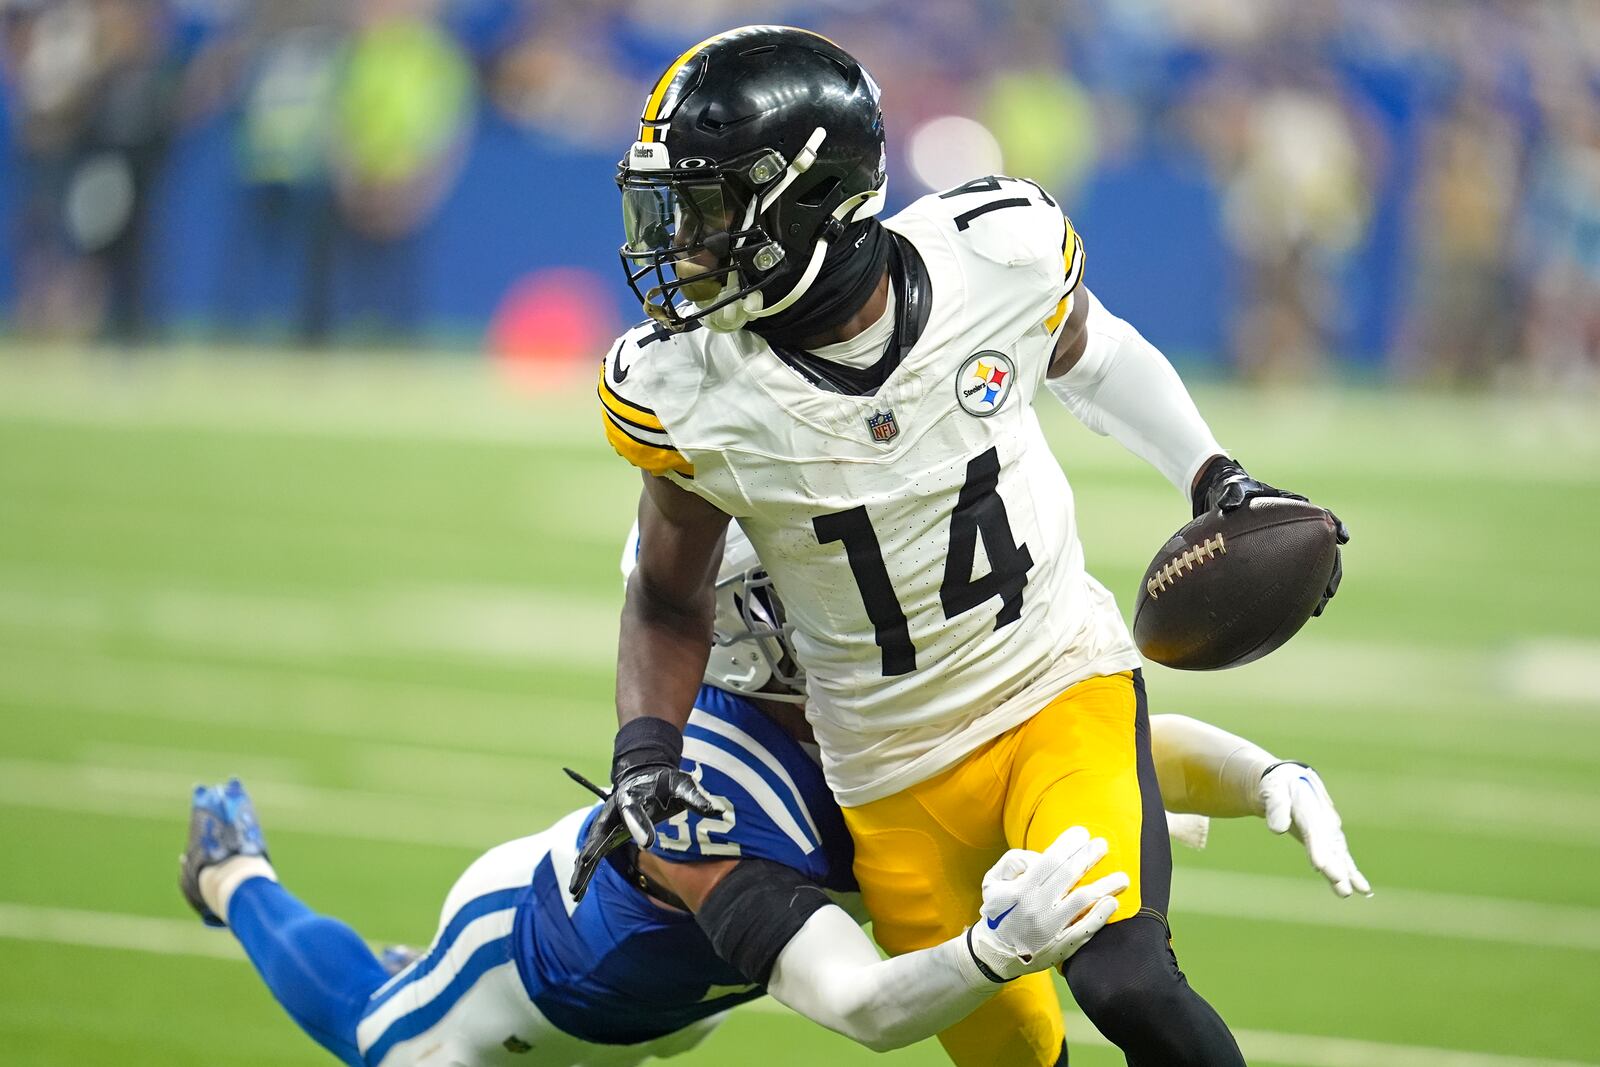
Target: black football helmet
(757,147)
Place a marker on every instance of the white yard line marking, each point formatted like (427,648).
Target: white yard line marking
(1554,670)
(1307,901)
(489,623)
(1296,1050)
(246,765)
(410,819)
(1497,809)
(100,929)
(341,813)
(186,937)
(455,400)
(452,399)
(304,703)
(466,719)
(130,933)
(1316,1050)
(1451,681)
(1543,680)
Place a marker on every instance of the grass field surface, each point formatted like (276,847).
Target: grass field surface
(384,591)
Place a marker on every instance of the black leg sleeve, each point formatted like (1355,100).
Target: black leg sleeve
(1126,980)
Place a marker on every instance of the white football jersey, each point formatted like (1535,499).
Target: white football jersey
(923,538)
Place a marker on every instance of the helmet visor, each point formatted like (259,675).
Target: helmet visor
(671,217)
(670,222)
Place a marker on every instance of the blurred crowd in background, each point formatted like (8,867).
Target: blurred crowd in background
(1284,188)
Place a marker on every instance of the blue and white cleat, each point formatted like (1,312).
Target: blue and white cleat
(222,824)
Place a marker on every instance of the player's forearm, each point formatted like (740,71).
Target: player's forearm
(1123,386)
(661,654)
(1207,770)
(830,973)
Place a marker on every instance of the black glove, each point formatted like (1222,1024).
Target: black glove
(647,788)
(1226,486)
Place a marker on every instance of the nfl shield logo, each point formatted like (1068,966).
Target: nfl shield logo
(883,426)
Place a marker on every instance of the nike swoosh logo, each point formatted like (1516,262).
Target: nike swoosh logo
(619,370)
(994,923)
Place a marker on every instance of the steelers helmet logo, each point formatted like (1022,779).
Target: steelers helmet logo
(984,383)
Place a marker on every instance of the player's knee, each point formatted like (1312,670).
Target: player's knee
(1110,993)
(1127,981)
(1127,975)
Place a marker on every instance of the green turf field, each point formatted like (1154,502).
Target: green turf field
(385,593)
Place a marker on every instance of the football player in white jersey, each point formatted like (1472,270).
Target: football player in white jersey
(859,397)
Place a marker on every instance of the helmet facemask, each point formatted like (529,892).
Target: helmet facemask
(748,110)
(751,646)
(695,232)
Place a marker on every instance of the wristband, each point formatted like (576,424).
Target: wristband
(1218,469)
(1284,763)
(645,742)
(983,968)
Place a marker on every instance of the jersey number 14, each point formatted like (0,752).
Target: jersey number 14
(979,512)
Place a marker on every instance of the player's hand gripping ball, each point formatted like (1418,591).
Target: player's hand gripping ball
(1235,584)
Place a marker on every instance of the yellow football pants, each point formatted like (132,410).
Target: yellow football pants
(921,854)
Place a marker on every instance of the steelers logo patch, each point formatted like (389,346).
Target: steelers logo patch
(984,383)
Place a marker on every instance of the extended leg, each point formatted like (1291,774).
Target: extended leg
(1126,979)
(1085,760)
(920,859)
(318,968)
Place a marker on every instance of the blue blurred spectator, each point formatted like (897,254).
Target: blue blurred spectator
(1268,184)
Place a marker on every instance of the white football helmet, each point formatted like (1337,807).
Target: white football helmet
(750,649)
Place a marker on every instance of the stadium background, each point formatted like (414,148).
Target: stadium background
(300,476)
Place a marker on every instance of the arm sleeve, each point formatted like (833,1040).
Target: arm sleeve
(1124,387)
(831,973)
(1206,770)
(754,911)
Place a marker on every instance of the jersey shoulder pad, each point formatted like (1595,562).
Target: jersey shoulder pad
(630,392)
(1012,229)
(775,803)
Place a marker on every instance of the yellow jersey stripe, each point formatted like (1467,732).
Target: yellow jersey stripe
(1059,315)
(652,106)
(1072,259)
(647,457)
(619,407)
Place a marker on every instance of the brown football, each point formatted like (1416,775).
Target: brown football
(1228,589)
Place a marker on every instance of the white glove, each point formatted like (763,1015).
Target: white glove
(1293,798)
(1034,914)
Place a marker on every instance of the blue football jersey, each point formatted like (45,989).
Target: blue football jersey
(775,803)
(617,968)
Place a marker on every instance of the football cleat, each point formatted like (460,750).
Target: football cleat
(222,824)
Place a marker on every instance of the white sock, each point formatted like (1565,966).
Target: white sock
(218,881)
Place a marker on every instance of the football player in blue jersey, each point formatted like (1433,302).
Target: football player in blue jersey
(756,897)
